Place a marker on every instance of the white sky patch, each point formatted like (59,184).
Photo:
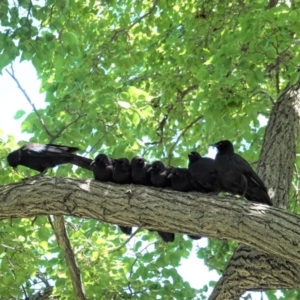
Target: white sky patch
(263,121)
(12,99)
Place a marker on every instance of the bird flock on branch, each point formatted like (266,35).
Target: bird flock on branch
(228,172)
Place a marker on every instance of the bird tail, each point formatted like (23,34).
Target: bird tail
(81,162)
(257,194)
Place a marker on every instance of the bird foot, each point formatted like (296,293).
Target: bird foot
(128,192)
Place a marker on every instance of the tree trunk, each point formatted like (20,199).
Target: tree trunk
(255,270)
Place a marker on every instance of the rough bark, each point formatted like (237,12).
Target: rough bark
(278,155)
(272,230)
(251,269)
(276,169)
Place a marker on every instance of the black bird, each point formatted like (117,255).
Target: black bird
(204,173)
(159,178)
(139,171)
(122,174)
(181,181)
(41,157)
(102,167)
(159,174)
(236,175)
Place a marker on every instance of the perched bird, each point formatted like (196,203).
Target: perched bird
(181,181)
(159,178)
(41,157)
(236,175)
(204,173)
(159,174)
(102,167)
(122,174)
(139,171)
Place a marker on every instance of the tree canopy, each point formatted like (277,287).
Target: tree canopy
(159,79)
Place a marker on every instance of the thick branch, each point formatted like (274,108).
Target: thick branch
(242,274)
(271,230)
(64,243)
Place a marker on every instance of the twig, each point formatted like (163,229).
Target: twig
(170,155)
(266,94)
(125,243)
(43,294)
(52,136)
(65,127)
(40,275)
(118,31)
(143,16)
(271,4)
(12,75)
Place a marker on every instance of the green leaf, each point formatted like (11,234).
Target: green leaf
(19,114)
(294,77)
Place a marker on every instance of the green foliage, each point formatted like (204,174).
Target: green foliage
(157,78)
(217,254)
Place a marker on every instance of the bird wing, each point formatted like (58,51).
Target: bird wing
(244,167)
(60,148)
(49,148)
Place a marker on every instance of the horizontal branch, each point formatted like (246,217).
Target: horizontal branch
(269,229)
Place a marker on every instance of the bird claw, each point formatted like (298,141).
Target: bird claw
(128,192)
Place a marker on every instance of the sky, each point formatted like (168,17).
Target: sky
(12,99)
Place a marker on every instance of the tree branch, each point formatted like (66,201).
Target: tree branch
(268,229)
(241,274)
(65,245)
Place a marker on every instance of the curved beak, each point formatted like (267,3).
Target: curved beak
(92,163)
(150,169)
(170,175)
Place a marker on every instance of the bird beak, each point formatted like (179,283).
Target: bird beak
(150,169)
(170,175)
(92,163)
